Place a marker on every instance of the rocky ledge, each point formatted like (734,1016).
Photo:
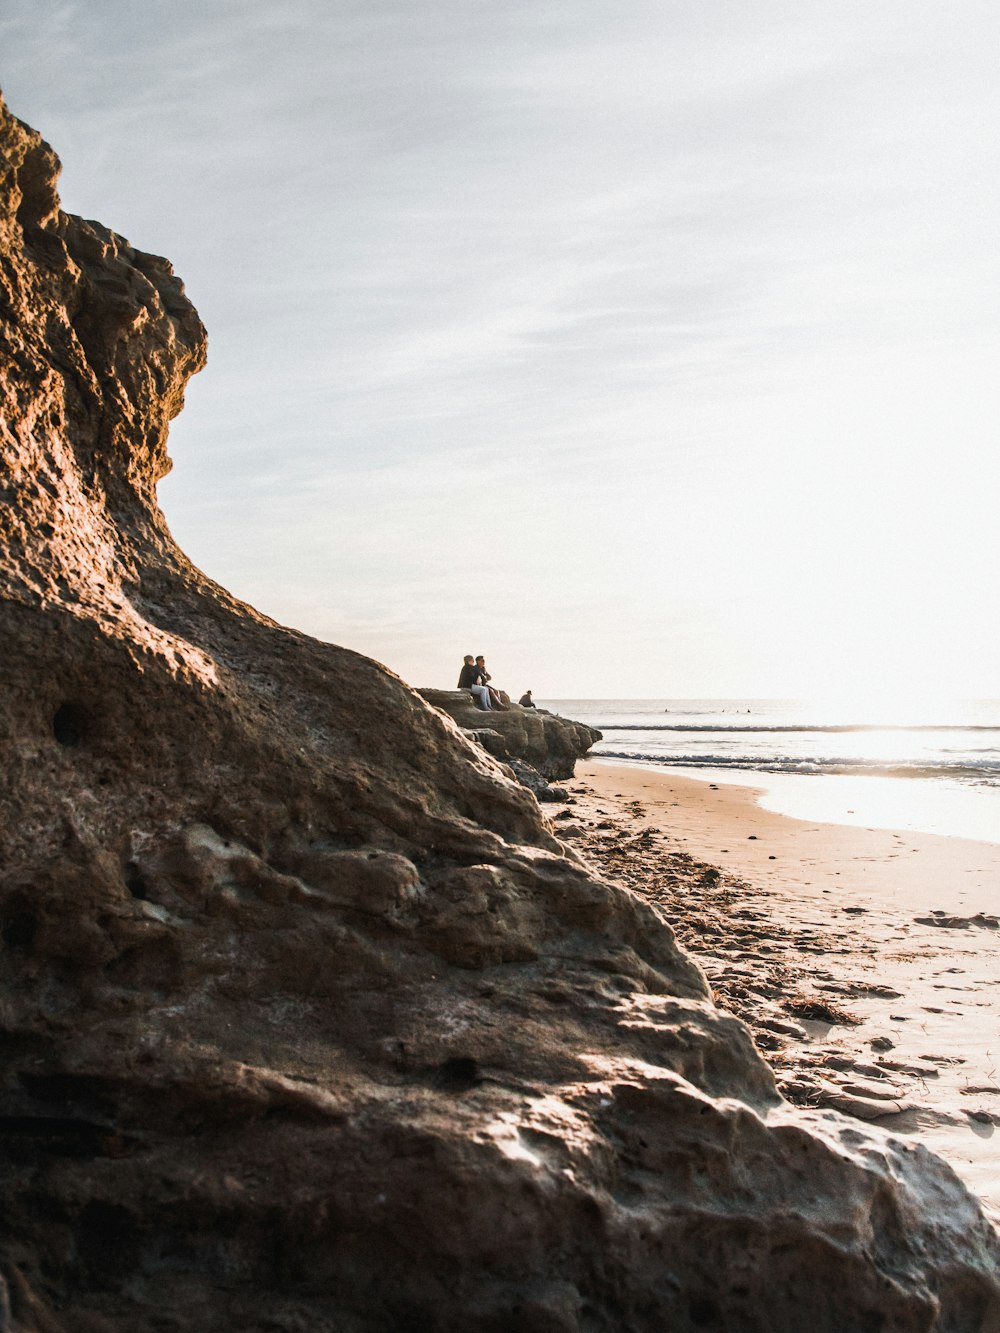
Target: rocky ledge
(550,744)
(308,1021)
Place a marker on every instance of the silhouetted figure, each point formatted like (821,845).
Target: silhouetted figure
(471,678)
(498,703)
(526,700)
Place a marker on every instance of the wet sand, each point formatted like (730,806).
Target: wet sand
(866,961)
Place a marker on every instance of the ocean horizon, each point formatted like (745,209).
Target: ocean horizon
(932,768)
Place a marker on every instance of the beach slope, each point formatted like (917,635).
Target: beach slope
(866,960)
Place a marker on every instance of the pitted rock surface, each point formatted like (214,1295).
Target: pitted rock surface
(308,1019)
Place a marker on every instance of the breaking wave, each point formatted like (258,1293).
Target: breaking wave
(986,773)
(833,728)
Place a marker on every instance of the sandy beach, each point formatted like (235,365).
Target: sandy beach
(865,960)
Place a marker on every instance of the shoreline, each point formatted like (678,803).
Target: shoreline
(719,817)
(865,960)
(903,802)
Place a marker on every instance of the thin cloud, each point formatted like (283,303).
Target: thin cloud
(639,308)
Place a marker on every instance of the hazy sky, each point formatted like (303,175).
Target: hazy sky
(648,348)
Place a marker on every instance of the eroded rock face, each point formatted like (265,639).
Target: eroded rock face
(308,1020)
(550,744)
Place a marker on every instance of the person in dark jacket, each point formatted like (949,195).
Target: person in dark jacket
(494,692)
(526,700)
(471,678)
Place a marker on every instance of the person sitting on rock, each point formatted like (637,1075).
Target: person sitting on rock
(526,700)
(495,695)
(471,679)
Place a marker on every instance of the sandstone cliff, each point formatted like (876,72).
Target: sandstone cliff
(550,744)
(308,1020)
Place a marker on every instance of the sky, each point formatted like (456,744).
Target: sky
(650,349)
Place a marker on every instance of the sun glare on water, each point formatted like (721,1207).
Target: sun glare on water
(911,804)
(896,707)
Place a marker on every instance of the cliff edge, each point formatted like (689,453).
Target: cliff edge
(308,1020)
(549,743)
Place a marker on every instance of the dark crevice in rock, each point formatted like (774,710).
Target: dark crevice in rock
(457,1075)
(20,925)
(71,725)
(135,882)
(61,1136)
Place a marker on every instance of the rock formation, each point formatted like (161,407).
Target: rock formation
(550,744)
(309,1022)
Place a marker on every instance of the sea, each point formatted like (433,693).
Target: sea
(932,770)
